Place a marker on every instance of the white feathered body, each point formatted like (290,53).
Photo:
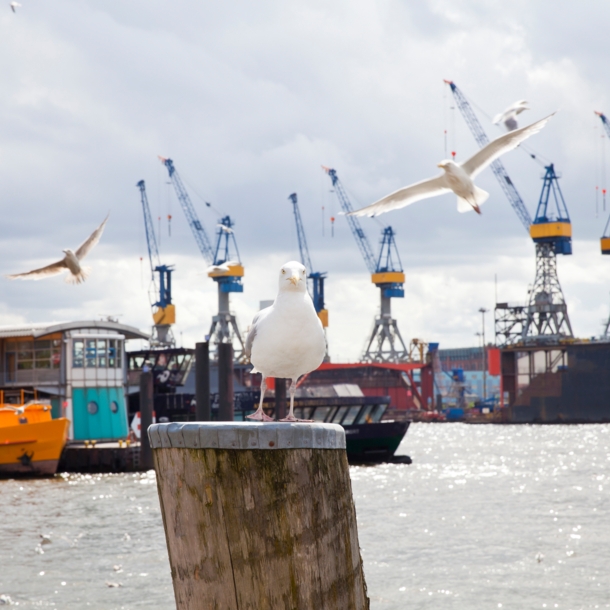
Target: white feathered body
(289,340)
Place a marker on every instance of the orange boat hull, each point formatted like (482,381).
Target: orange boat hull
(31,447)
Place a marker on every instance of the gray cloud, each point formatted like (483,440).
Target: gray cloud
(249,100)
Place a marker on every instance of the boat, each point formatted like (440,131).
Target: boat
(368,437)
(31,441)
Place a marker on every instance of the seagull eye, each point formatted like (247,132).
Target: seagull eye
(303,272)
(283,271)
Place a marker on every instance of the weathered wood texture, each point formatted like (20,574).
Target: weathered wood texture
(260,530)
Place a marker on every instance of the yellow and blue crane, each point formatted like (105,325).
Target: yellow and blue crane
(224,268)
(605,240)
(317,277)
(164,311)
(545,318)
(385,343)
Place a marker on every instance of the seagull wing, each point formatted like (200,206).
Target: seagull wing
(406,196)
(261,315)
(496,148)
(39,274)
(91,241)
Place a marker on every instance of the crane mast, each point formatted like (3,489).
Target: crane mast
(605,240)
(385,343)
(545,318)
(164,311)
(227,272)
(317,277)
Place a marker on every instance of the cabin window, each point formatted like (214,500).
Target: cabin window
(321,413)
(341,411)
(30,355)
(92,407)
(96,353)
(348,420)
(114,406)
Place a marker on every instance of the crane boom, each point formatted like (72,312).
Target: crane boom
(151,240)
(497,166)
(354,224)
(199,233)
(303,249)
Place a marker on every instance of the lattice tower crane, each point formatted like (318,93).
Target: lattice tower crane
(385,343)
(225,269)
(545,318)
(605,240)
(316,290)
(164,311)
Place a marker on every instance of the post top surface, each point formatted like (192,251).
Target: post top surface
(247,435)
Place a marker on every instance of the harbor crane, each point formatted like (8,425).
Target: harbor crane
(164,311)
(224,268)
(545,318)
(605,240)
(385,343)
(317,277)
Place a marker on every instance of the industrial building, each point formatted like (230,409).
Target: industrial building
(79,367)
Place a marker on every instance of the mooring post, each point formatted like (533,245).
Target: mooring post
(146,418)
(259,515)
(280,398)
(225,382)
(203,411)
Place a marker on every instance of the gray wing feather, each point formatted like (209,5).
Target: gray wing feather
(253,329)
(91,241)
(39,274)
(406,196)
(496,148)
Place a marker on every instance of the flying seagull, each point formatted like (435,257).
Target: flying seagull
(457,177)
(287,339)
(14,5)
(71,261)
(509,116)
(222,267)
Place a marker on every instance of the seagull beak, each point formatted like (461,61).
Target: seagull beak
(440,165)
(294,279)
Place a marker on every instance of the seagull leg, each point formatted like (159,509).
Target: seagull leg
(290,417)
(260,415)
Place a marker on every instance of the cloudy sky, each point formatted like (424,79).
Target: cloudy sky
(249,100)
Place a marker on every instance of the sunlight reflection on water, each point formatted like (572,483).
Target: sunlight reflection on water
(509,517)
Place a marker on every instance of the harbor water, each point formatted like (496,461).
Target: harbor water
(508,517)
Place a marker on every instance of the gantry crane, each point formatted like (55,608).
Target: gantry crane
(317,277)
(226,270)
(545,318)
(164,311)
(385,343)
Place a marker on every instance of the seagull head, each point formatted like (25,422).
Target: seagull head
(68,252)
(293,277)
(446,164)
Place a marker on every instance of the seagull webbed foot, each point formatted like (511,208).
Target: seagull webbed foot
(260,415)
(293,419)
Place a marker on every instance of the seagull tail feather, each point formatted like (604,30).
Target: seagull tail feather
(465,205)
(79,277)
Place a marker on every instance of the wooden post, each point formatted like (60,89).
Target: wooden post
(259,515)
(203,411)
(146,419)
(226,405)
(280,398)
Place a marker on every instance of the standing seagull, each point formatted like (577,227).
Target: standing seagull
(509,116)
(287,339)
(458,177)
(71,262)
(14,5)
